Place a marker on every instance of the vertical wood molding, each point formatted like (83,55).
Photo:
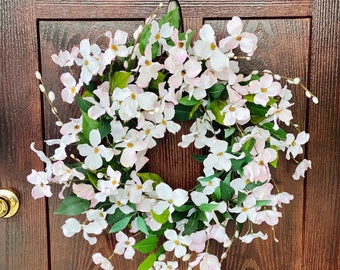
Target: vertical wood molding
(24,236)
(321,236)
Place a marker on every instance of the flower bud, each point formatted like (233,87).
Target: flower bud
(315,100)
(51,96)
(308,94)
(42,88)
(277,77)
(38,75)
(296,80)
(161,257)
(54,110)
(186,257)
(59,123)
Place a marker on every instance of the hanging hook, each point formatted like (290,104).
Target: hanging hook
(171,6)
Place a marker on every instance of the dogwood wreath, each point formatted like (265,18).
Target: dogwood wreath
(129,95)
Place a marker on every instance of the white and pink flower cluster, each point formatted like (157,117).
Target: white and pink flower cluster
(138,87)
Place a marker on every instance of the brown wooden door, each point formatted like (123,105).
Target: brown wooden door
(298,38)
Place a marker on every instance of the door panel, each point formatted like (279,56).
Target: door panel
(297,38)
(23,238)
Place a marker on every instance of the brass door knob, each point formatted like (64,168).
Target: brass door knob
(9,203)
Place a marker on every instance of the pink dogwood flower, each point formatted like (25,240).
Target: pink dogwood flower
(246,41)
(206,48)
(71,87)
(264,88)
(124,245)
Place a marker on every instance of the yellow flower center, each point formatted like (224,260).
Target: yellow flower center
(133,96)
(177,242)
(264,90)
(86,63)
(114,47)
(114,182)
(220,154)
(244,209)
(238,38)
(96,150)
(147,63)
(157,36)
(231,108)
(73,90)
(212,46)
(129,145)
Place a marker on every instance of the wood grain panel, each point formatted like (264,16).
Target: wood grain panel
(23,238)
(322,216)
(191,8)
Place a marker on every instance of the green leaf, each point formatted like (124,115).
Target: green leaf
(83,104)
(184,207)
(154,49)
(148,262)
(104,128)
(88,125)
(188,101)
(252,185)
(260,203)
(255,119)
(228,132)
(142,225)
(147,245)
(191,225)
(172,17)
(216,90)
(93,179)
(275,161)
(210,177)
(208,207)
(119,79)
(256,109)
(182,112)
(113,218)
(216,107)
(150,176)
(73,205)
(227,191)
(162,218)
(144,38)
(241,197)
(279,134)
(248,146)
(195,108)
(237,164)
(120,225)
(154,83)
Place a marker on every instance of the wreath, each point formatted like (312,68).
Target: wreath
(129,95)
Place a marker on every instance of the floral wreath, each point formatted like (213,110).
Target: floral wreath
(129,95)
